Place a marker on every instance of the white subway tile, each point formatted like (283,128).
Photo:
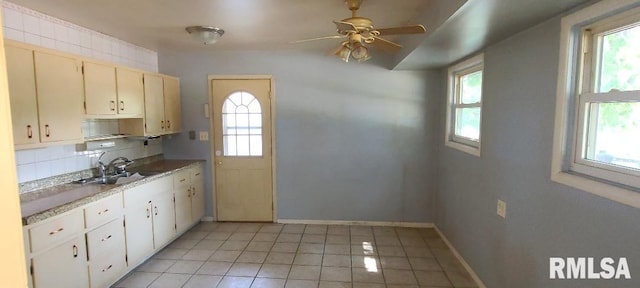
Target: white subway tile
(43,169)
(48,42)
(25,157)
(31,24)
(12,19)
(47,29)
(62,33)
(43,154)
(26,172)
(32,39)
(14,34)
(57,167)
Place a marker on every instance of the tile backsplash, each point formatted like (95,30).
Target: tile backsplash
(29,26)
(36,164)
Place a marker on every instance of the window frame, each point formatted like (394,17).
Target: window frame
(577,75)
(454,102)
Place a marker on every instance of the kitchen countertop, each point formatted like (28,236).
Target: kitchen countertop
(48,202)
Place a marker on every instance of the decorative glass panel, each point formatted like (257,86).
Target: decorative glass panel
(242,125)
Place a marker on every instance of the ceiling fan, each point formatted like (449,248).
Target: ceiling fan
(359,33)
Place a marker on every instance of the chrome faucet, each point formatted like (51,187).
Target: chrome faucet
(102,169)
(119,164)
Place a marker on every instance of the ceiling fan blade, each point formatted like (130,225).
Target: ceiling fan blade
(320,38)
(417,29)
(386,45)
(344,27)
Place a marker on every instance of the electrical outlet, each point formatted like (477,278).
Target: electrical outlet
(502,209)
(204,136)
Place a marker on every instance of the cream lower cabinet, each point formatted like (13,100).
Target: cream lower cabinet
(63,266)
(149,218)
(189,194)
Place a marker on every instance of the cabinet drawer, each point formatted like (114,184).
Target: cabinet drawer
(103,211)
(54,230)
(105,270)
(108,239)
(181,179)
(196,174)
(142,195)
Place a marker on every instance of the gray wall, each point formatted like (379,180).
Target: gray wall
(544,218)
(354,141)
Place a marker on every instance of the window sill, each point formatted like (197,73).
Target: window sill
(475,151)
(601,189)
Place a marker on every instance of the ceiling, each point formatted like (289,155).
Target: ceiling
(455,28)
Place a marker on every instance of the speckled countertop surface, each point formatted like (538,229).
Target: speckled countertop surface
(48,202)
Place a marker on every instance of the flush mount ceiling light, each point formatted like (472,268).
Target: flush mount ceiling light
(205,34)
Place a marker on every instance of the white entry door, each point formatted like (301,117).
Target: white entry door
(242,149)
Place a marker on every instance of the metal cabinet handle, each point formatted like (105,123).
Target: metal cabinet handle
(121,105)
(148,214)
(189,192)
(75,251)
(105,238)
(103,211)
(156,210)
(112,105)
(168,124)
(105,269)
(29,132)
(56,231)
(162,124)
(183,179)
(47,131)
(198,174)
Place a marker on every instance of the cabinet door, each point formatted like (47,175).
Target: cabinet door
(22,92)
(153,104)
(130,92)
(64,266)
(59,86)
(182,194)
(172,104)
(139,233)
(163,218)
(197,195)
(99,89)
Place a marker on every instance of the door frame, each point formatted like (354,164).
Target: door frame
(272,100)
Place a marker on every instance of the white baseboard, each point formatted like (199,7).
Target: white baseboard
(207,219)
(368,223)
(462,261)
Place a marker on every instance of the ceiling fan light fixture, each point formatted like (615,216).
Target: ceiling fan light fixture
(360,52)
(205,34)
(344,52)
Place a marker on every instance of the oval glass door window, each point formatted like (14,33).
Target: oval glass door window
(242,125)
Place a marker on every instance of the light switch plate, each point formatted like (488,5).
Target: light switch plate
(204,136)
(502,209)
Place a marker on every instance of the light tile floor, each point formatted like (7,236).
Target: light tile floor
(275,255)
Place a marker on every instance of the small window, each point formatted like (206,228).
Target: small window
(242,125)
(597,131)
(464,105)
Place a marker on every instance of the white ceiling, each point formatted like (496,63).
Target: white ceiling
(273,24)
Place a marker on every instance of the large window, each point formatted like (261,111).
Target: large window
(597,140)
(464,105)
